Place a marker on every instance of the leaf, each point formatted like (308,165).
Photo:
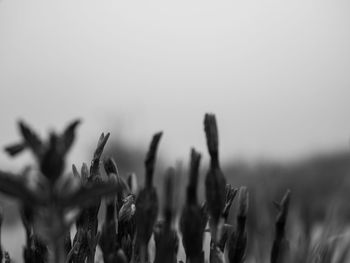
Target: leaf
(68,136)
(215,256)
(211,132)
(230,195)
(147,206)
(166,243)
(100,145)
(7,257)
(84,173)
(284,206)
(193,180)
(169,198)
(95,163)
(132,182)
(226,232)
(14,186)
(192,230)
(243,201)
(237,246)
(15,149)
(75,171)
(279,247)
(215,182)
(127,210)
(151,158)
(32,139)
(110,166)
(52,162)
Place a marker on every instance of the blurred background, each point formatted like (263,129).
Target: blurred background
(275,73)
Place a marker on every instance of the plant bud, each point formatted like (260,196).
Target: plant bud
(215,181)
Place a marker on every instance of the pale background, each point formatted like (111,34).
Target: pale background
(276,73)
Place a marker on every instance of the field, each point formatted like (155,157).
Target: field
(236,212)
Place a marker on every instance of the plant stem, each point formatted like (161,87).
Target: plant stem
(58,254)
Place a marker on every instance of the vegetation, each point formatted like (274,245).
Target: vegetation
(132,220)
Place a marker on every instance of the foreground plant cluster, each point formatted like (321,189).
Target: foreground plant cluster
(51,202)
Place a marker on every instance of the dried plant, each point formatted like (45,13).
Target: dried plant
(215,181)
(192,223)
(165,236)
(146,205)
(55,195)
(237,243)
(280,244)
(56,200)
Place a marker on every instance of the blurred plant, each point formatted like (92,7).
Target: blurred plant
(146,205)
(215,181)
(193,221)
(54,201)
(165,236)
(86,238)
(119,226)
(48,204)
(4,256)
(279,253)
(237,243)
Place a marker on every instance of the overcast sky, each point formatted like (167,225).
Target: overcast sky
(276,73)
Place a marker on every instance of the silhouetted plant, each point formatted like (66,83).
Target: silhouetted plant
(215,181)
(57,201)
(146,205)
(192,223)
(280,246)
(237,243)
(165,236)
(55,195)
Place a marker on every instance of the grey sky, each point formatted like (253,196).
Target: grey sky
(276,73)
